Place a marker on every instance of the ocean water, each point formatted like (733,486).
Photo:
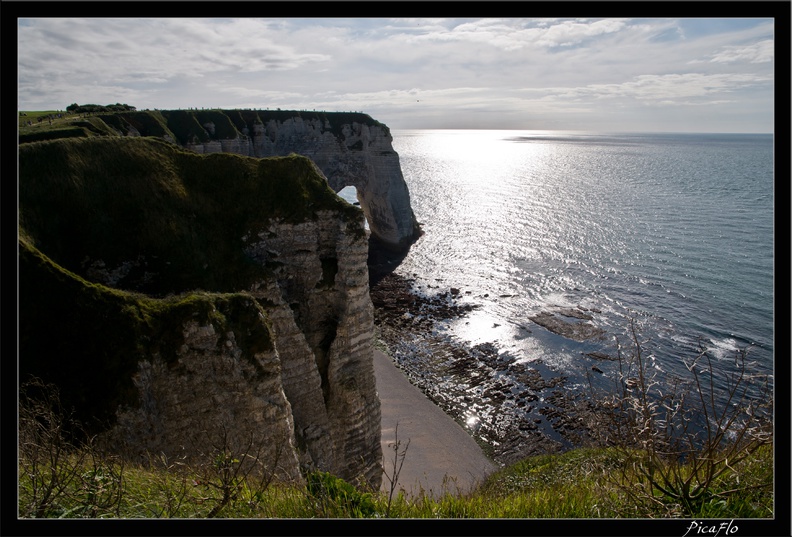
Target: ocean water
(673,231)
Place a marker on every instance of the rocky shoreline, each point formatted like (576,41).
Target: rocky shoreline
(513,408)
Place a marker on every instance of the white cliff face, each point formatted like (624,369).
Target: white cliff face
(311,400)
(323,321)
(216,394)
(353,154)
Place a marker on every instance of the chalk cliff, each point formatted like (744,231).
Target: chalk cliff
(351,149)
(173,297)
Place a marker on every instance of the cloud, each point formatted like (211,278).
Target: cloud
(569,33)
(255,95)
(511,34)
(661,89)
(760,52)
(162,48)
(412,99)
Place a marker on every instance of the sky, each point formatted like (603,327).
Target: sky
(602,75)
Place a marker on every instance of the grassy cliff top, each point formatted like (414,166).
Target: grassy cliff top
(182,126)
(163,210)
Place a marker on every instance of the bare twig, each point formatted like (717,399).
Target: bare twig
(679,445)
(398,461)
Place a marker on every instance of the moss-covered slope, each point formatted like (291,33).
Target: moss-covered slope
(162,219)
(350,149)
(88,338)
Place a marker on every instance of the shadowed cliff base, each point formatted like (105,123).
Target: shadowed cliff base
(383,258)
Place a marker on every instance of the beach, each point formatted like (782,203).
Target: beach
(439,454)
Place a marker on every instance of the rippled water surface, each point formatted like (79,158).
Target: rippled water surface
(675,231)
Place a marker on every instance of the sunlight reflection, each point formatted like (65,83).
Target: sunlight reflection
(486,147)
(481,327)
(472,421)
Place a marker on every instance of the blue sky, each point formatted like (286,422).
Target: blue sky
(610,74)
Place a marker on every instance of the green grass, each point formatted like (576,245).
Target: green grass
(582,483)
(146,123)
(67,126)
(33,115)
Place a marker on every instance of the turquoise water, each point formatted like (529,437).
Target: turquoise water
(674,231)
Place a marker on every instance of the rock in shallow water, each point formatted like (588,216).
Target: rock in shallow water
(579,331)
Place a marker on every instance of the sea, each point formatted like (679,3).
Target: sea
(667,238)
(673,233)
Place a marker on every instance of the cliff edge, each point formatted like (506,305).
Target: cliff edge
(174,297)
(350,148)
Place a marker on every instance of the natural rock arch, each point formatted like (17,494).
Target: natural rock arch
(350,150)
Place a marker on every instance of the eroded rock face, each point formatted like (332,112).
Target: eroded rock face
(359,154)
(191,304)
(325,320)
(350,148)
(217,394)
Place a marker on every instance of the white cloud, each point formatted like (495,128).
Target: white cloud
(760,52)
(513,34)
(661,89)
(571,33)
